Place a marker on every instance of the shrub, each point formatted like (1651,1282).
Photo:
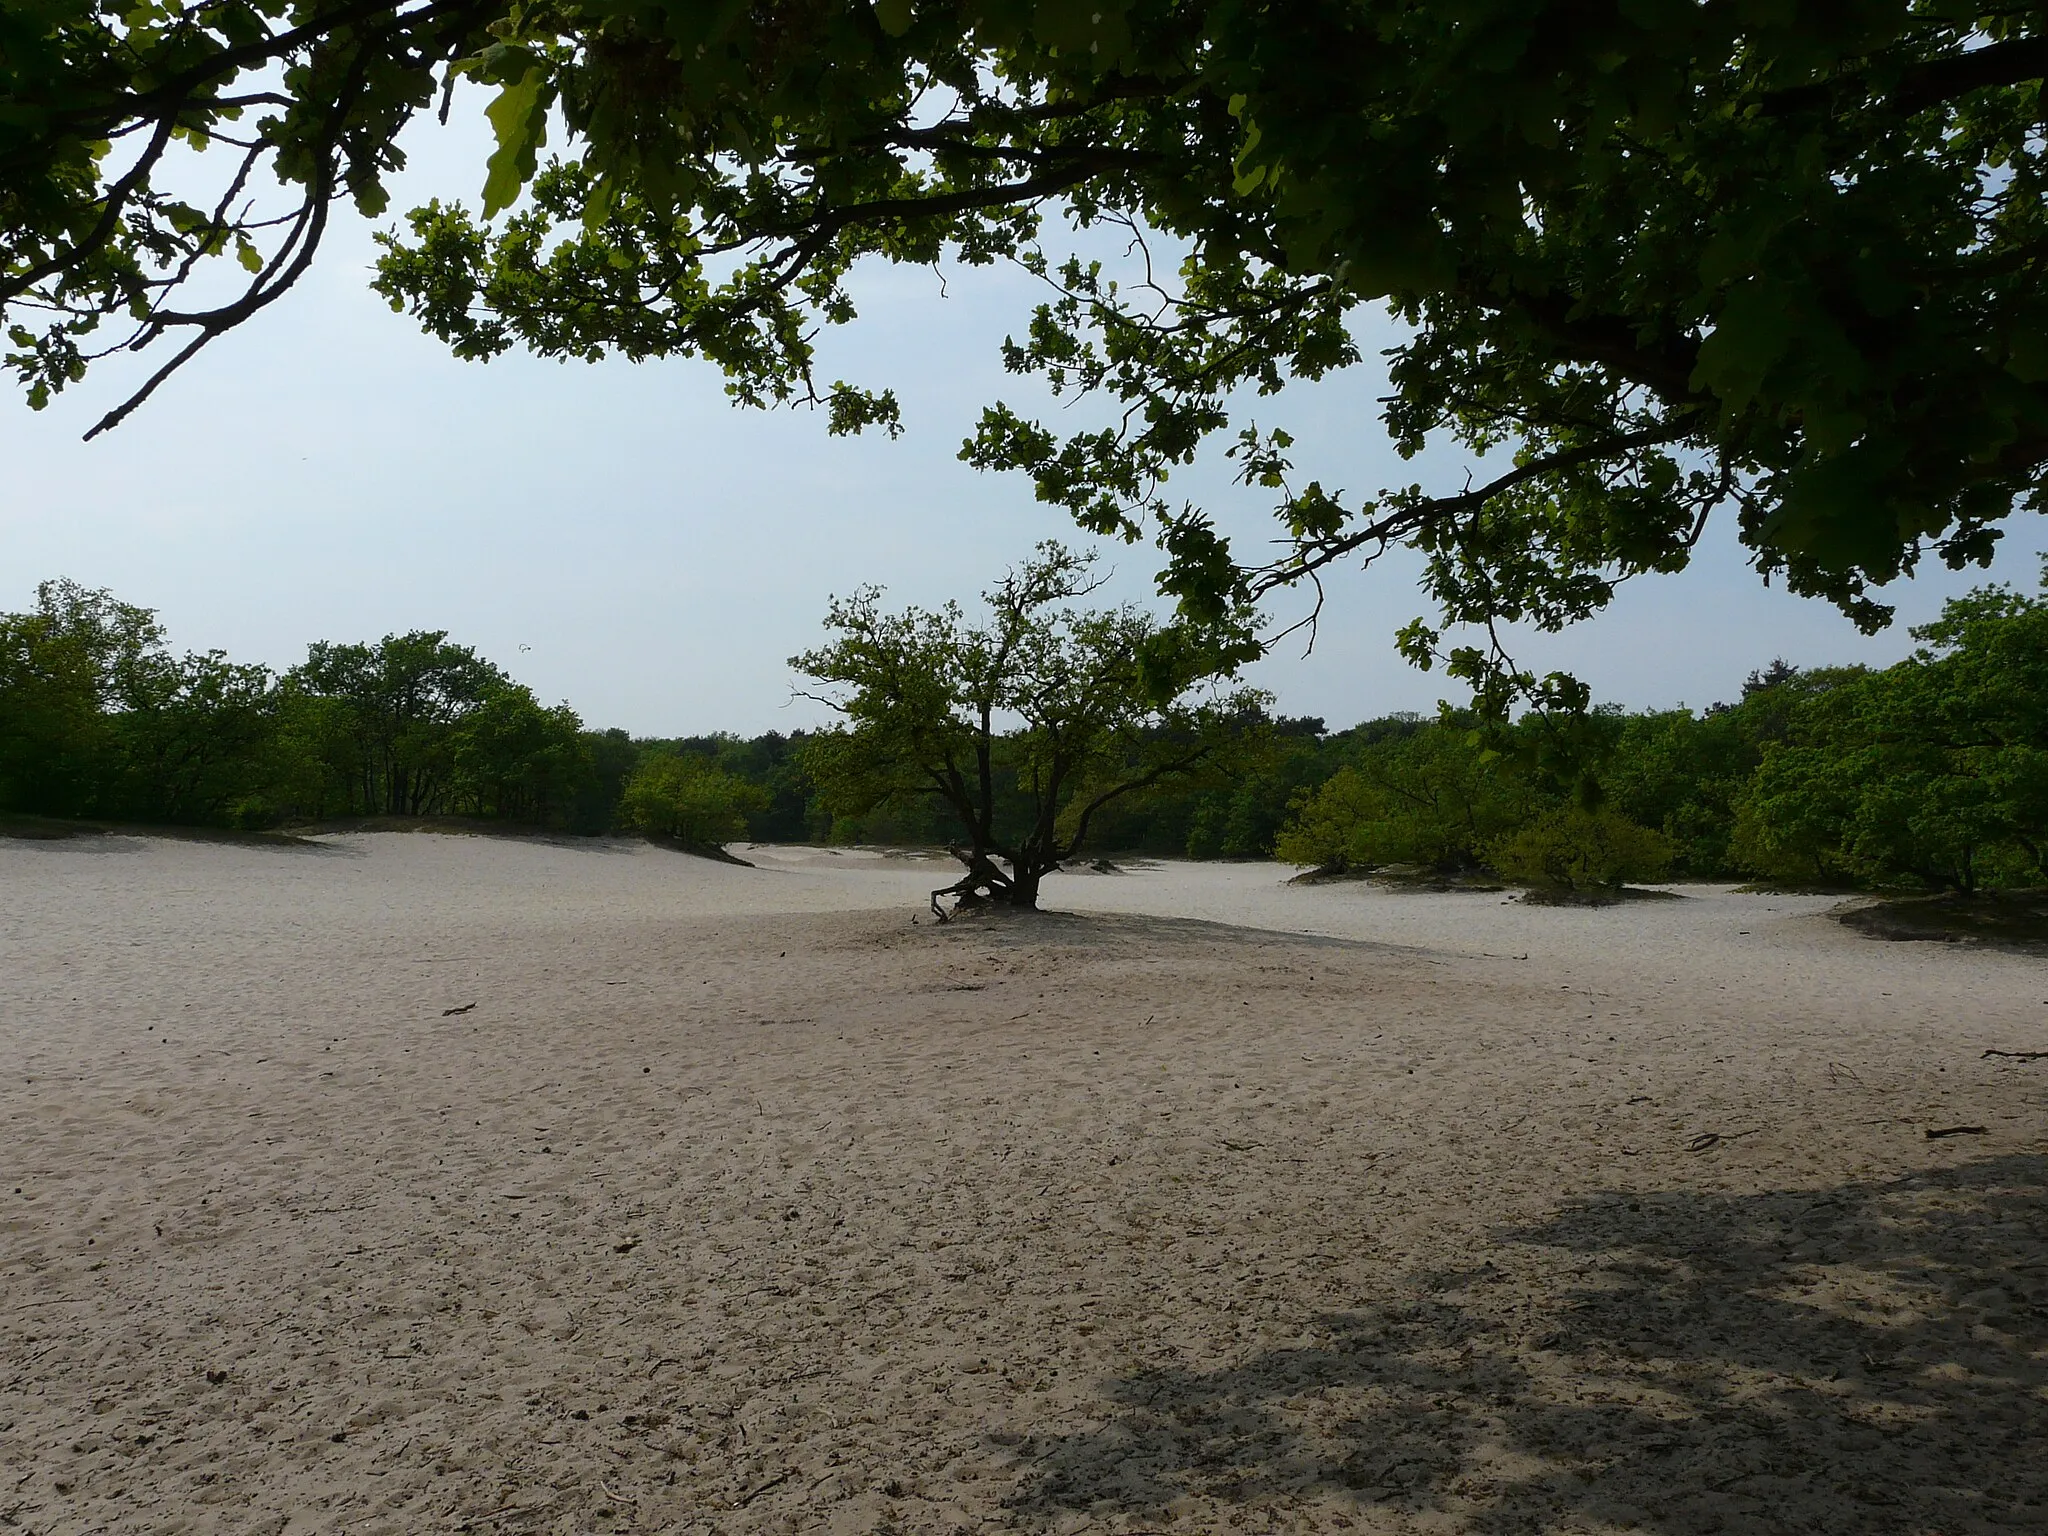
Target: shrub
(1578,850)
(1433,798)
(690,800)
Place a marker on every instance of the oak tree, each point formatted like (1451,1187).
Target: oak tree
(1658,261)
(1025,727)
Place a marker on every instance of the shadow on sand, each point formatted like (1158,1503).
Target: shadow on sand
(1868,1358)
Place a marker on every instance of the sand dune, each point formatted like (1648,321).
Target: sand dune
(738,1201)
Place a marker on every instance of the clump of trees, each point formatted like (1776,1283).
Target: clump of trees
(100,719)
(1932,772)
(1025,728)
(97,717)
(1410,792)
(1572,848)
(418,726)
(687,798)
(1453,797)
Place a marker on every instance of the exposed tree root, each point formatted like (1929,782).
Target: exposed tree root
(984,884)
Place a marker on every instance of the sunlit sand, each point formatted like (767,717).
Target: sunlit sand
(411,1183)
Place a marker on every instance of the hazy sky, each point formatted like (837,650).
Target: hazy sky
(619,536)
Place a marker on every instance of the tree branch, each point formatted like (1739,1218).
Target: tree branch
(1177,765)
(1411,519)
(1929,83)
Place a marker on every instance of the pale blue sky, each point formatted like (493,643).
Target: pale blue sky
(620,537)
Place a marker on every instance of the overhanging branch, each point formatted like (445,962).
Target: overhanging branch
(1414,517)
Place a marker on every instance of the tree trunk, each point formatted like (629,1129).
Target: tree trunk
(1023,892)
(986,884)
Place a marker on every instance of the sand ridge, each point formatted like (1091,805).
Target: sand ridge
(740,1202)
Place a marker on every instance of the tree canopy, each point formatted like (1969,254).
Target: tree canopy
(1658,260)
(1933,771)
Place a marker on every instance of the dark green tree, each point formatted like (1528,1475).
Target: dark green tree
(515,759)
(1683,774)
(198,741)
(1025,728)
(1932,772)
(611,756)
(388,715)
(67,669)
(1662,261)
(98,718)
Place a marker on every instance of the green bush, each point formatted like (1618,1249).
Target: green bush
(1578,850)
(690,800)
(1433,798)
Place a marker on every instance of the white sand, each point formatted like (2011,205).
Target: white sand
(741,1203)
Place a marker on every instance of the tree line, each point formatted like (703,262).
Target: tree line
(100,719)
(1932,773)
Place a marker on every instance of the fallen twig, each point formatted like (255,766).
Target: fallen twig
(617,1498)
(1707,1139)
(774,1482)
(2018,1055)
(1957,1130)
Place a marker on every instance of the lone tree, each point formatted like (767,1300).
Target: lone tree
(1025,727)
(1662,260)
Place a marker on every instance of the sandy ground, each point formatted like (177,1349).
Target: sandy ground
(736,1201)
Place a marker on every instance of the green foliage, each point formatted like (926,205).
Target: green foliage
(1933,772)
(1777,263)
(690,800)
(1572,849)
(389,726)
(1685,774)
(197,742)
(609,757)
(1233,814)
(1430,795)
(63,668)
(514,759)
(97,718)
(774,762)
(1026,728)
(97,102)
(1049,728)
